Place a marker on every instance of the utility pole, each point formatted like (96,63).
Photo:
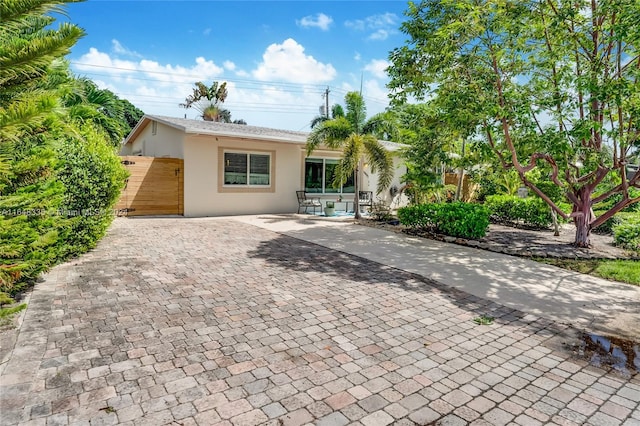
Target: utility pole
(326,102)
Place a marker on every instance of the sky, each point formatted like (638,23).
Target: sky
(278,57)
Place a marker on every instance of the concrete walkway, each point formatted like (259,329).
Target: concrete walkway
(219,322)
(582,301)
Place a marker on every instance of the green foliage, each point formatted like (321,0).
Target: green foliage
(5,299)
(57,201)
(530,211)
(457,219)
(616,198)
(59,173)
(545,86)
(29,47)
(607,226)
(484,320)
(93,177)
(627,234)
(626,271)
(356,138)
(7,313)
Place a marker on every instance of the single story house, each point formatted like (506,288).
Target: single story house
(231,169)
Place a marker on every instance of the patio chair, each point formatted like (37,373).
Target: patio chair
(306,202)
(365,198)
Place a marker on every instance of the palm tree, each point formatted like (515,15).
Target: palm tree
(358,140)
(208,100)
(29,49)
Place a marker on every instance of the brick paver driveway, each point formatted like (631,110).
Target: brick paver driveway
(174,321)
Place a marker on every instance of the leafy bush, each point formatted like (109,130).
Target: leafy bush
(551,190)
(94,177)
(56,202)
(614,199)
(531,211)
(457,219)
(607,226)
(627,234)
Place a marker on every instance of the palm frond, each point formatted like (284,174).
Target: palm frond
(348,164)
(380,160)
(317,120)
(14,12)
(331,133)
(26,114)
(383,126)
(20,62)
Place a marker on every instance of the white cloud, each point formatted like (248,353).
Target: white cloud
(158,88)
(288,62)
(357,56)
(321,21)
(119,49)
(207,31)
(380,26)
(378,67)
(379,35)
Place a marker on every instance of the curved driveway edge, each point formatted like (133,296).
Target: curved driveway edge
(210,321)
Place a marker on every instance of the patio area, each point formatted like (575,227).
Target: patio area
(217,321)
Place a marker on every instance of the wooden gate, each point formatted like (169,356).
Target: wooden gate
(154,187)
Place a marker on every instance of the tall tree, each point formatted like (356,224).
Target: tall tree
(358,140)
(29,48)
(551,84)
(208,101)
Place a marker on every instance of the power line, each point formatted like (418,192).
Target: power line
(233,80)
(242,84)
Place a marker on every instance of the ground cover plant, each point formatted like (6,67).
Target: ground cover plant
(626,271)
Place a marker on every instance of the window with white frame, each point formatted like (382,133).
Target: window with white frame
(247,169)
(318,177)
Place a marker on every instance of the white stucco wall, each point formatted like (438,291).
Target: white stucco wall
(371,184)
(166,142)
(202,164)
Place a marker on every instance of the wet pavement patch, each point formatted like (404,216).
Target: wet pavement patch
(620,355)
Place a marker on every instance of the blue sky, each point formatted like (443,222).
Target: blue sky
(277,56)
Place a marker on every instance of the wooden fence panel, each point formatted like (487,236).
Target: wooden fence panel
(155,187)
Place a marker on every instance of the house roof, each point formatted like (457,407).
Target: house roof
(201,127)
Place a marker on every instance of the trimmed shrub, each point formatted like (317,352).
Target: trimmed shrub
(464,220)
(530,211)
(627,234)
(607,227)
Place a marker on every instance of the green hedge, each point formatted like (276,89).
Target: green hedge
(627,233)
(458,219)
(56,201)
(530,211)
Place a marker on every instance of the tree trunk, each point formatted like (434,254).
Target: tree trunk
(582,219)
(356,199)
(460,174)
(554,217)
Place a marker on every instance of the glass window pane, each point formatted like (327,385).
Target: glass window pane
(329,170)
(259,169)
(349,186)
(313,175)
(235,169)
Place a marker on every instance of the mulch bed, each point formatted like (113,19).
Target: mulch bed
(526,242)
